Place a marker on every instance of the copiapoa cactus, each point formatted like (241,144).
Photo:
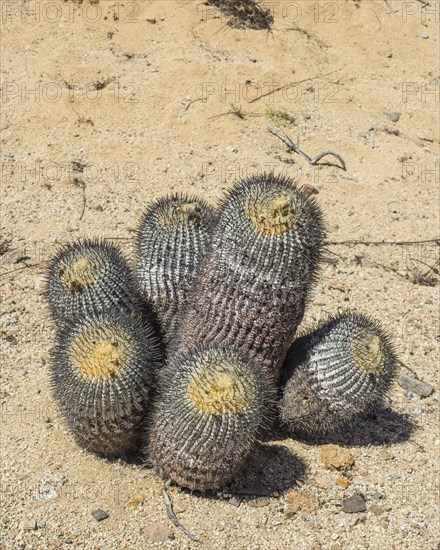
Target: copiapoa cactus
(102,370)
(253,284)
(336,373)
(90,277)
(207,418)
(172,237)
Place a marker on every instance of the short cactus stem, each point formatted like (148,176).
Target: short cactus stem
(90,277)
(172,237)
(102,370)
(339,371)
(207,418)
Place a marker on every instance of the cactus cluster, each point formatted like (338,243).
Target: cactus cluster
(229,288)
(104,362)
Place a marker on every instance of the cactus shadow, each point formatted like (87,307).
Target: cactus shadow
(130,458)
(271,470)
(135,458)
(384,427)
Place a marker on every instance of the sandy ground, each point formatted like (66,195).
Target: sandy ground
(106,105)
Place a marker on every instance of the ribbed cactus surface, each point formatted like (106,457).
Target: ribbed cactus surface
(253,284)
(90,277)
(337,372)
(249,296)
(207,418)
(172,237)
(103,368)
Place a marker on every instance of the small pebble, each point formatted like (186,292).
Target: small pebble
(424,34)
(386,455)
(157,532)
(259,502)
(178,508)
(415,386)
(354,504)
(310,189)
(300,500)
(342,482)
(135,501)
(235,501)
(366,262)
(394,117)
(333,456)
(28,525)
(40,283)
(151,20)
(321,482)
(99,514)
(376,510)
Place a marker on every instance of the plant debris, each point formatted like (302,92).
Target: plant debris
(244,14)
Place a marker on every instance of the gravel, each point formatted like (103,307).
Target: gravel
(99,514)
(394,117)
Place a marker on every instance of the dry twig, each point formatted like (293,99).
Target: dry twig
(172,516)
(292,84)
(237,111)
(377,243)
(313,161)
